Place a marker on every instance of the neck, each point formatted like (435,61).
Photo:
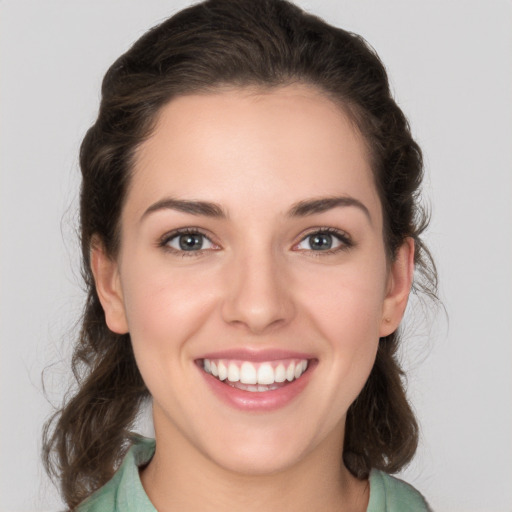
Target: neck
(182,478)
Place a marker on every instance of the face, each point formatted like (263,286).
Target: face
(252,275)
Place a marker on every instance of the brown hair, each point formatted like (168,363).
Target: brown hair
(265,43)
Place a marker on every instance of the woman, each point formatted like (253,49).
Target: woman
(250,228)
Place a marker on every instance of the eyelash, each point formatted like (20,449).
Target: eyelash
(164,241)
(346,242)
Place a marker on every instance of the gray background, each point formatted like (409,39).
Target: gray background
(451,69)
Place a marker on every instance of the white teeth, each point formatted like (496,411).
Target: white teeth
(290,372)
(248,374)
(233,373)
(265,374)
(255,377)
(223,371)
(280,373)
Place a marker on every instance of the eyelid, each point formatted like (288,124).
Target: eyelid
(164,240)
(343,237)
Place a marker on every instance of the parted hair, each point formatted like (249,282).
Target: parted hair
(234,43)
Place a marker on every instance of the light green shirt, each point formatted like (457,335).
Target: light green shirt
(124,492)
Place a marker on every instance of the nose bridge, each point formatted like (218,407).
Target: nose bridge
(257,296)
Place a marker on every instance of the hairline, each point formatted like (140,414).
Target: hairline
(252,86)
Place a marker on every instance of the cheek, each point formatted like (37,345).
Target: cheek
(347,303)
(345,307)
(165,306)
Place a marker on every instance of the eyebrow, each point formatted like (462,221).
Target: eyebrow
(300,209)
(204,208)
(323,204)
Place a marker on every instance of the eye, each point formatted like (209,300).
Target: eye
(324,240)
(188,241)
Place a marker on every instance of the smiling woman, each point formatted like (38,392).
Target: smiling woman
(250,232)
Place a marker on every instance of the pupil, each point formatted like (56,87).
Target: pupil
(321,241)
(191,242)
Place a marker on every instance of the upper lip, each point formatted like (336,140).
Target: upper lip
(256,355)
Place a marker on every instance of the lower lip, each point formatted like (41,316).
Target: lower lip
(259,400)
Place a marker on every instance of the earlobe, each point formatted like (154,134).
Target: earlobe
(399,286)
(108,288)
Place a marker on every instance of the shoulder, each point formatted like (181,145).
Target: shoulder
(124,492)
(390,494)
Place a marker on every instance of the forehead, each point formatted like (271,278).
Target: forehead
(233,145)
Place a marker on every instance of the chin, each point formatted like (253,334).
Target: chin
(257,450)
(258,460)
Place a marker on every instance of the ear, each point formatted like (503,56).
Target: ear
(399,285)
(108,287)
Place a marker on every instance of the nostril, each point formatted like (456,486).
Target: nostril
(256,297)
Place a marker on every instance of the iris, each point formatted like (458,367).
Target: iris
(191,242)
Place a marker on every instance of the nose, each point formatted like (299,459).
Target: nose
(258,295)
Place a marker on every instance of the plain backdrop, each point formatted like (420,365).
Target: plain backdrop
(450,64)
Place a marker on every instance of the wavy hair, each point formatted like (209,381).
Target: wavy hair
(267,44)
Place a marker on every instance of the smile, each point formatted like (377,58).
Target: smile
(255,377)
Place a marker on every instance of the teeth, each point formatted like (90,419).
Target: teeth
(233,372)
(256,377)
(223,371)
(290,372)
(248,374)
(266,374)
(280,374)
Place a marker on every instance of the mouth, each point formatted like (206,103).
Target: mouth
(255,377)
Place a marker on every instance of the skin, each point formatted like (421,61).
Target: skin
(256,283)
